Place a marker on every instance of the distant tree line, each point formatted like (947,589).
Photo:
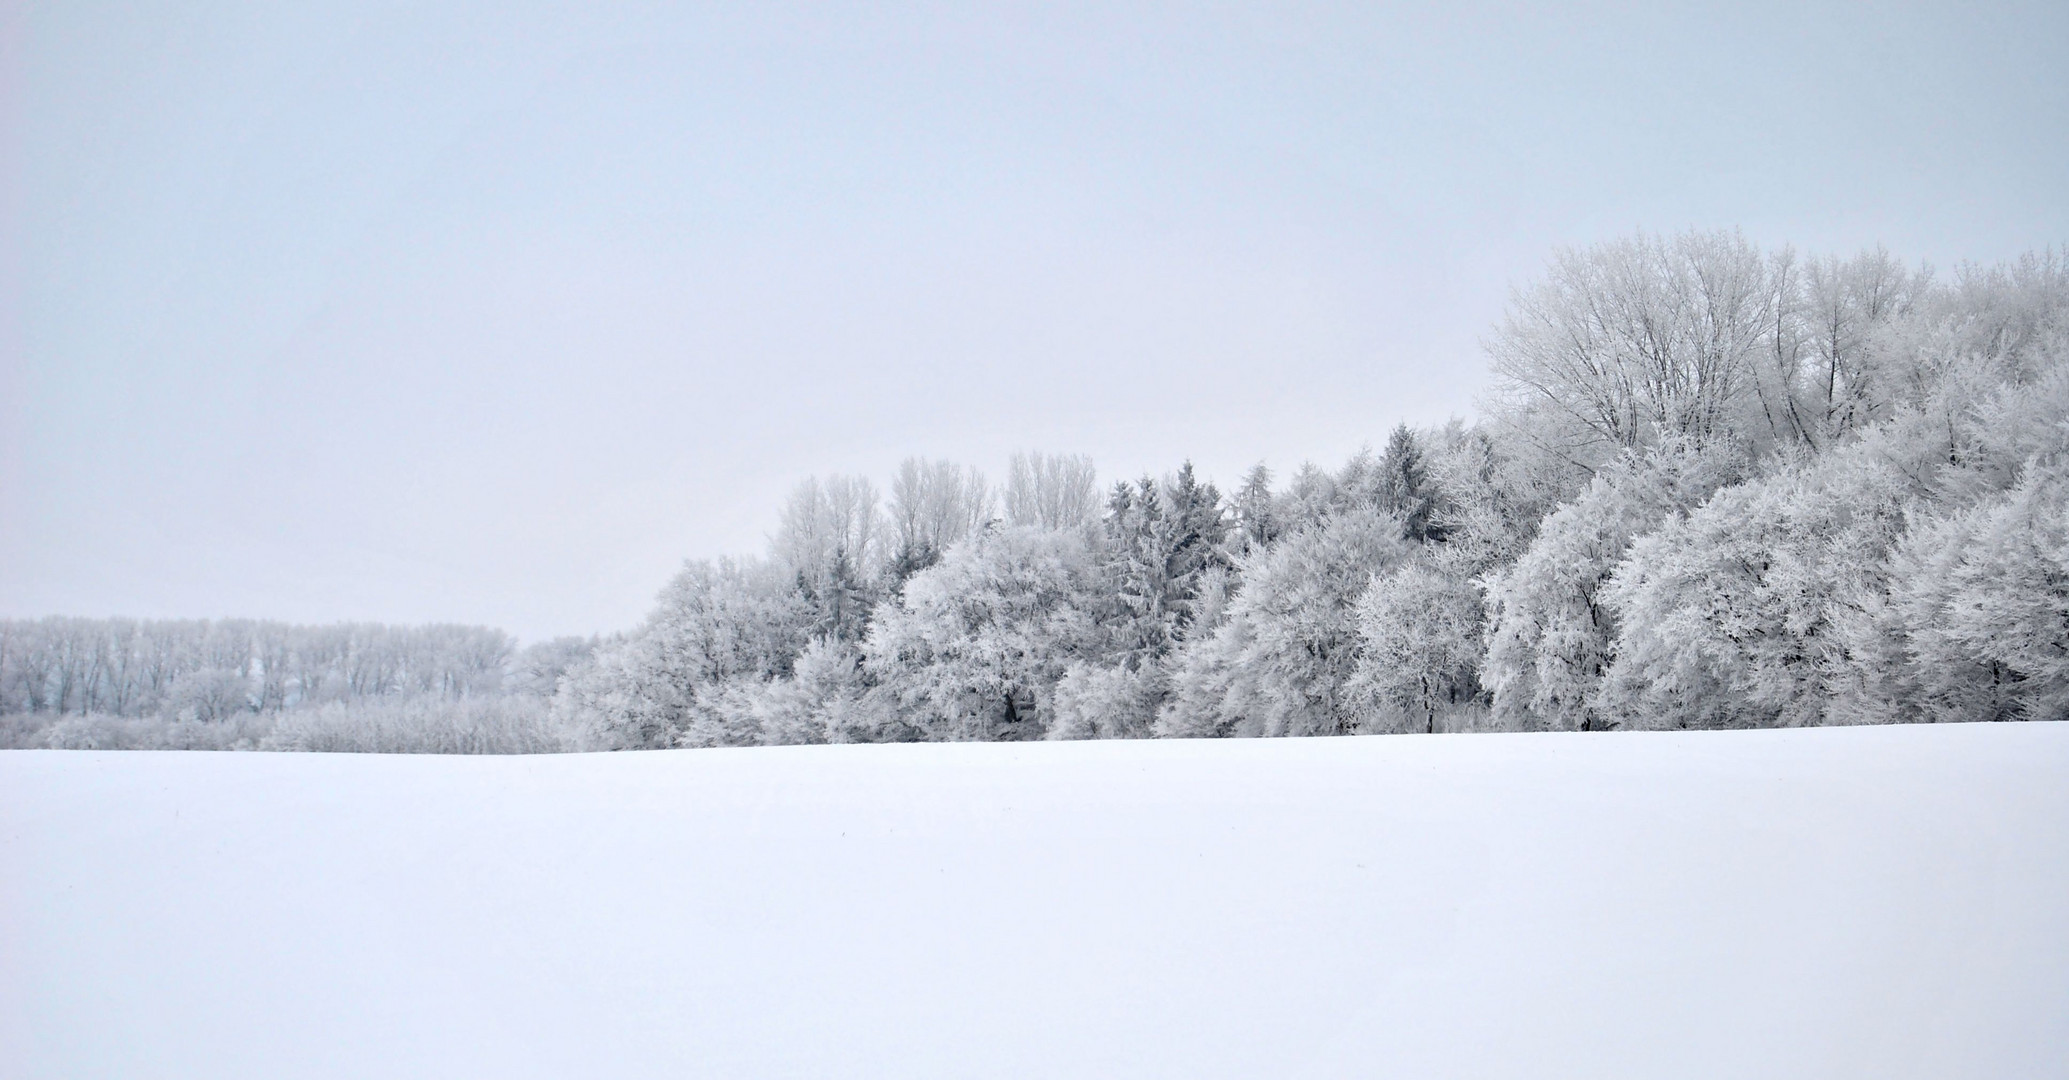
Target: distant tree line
(209,682)
(1716,486)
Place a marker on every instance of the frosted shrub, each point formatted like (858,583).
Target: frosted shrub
(244,731)
(1095,702)
(496,725)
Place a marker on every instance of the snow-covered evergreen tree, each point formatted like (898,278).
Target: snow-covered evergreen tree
(1161,539)
(1404,486)
(1256,523)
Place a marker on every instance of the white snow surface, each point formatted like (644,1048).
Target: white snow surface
(1887,902)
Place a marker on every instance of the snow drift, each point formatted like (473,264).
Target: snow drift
(1839,902)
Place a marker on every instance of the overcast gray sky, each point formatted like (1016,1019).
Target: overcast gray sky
(495,313)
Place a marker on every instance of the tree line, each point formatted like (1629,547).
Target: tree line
(1717,486)
(1714,486)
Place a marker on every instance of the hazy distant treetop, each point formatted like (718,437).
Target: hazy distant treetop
(1051,491)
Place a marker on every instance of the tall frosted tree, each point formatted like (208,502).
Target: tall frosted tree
(1756,609)
(1161,539)
(1632,341)
(826,520)
(1847,310)
(1405,487)
(1824,591)
(1492,491)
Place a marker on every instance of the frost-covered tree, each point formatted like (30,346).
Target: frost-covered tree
(1160,540)
(1095,701)
(210,695)
(1758,608)
(1633,341)
(975,645)
(715,624)
(1419,630)
(833,540)
(1551,628)
(828,521)
(1314,494)
(832,688)
(1282,661)
(1984,598)
(1491,494)
(827,697)
(1847,310)
(1812,595)
(540,666)
(1405,487)
(1309,498)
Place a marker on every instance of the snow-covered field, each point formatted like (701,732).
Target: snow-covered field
(1882,902)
